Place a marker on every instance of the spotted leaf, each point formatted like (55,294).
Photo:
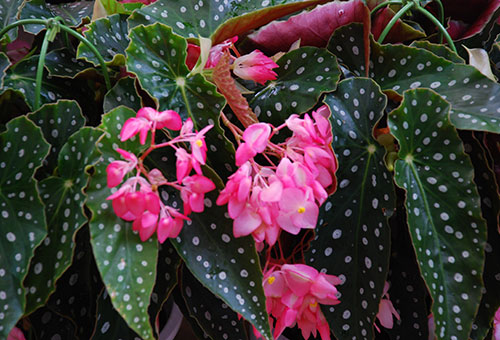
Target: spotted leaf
(439,50)
(21,79)
(58,121)
(47,324)
(353,227)
(23,223)
(64,198)
(110,36)
(166,279)
(298,86)
(212,314)
(123,93)
(4,63)
(110,324)
(484,178)
(218,20)
(127,265)
(443,208)
(157,57)
(79,287)
(9,10)
(62,63)
(72,14)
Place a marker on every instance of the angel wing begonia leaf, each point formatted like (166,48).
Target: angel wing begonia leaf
(46,322)
(62,63)
(313,28)
(353,237)
(8,15)
(127,265)
(4,63)
(443,208)
(123,93)
(23,224)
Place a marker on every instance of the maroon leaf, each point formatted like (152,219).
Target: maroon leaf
(400,32)
(314,28)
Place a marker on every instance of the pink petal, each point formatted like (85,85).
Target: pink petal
(16,334)
(164,227)
(257,135)
(115,172)
(244,153)
(272,193)
(170,119)
(135,203)
(246,222)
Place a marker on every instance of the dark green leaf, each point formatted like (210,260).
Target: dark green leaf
(443,208)
(72,14)
(127,265)
(62,63)
(157,57)
(303,76)
(4,63)
(353,226)
(9,10)
(110,36)
(439,50)
(58,121)
(47,324)
(64,198)
(484,178)
(211,313)
(23,223)
(123,93)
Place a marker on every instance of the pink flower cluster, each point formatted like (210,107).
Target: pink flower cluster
(293,294)
(138,198)
(262,200)
(253,66)
(386,310)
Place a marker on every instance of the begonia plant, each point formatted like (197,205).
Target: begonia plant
(273,169)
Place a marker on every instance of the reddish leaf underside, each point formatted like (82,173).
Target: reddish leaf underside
(399,32)
(465,22)
(313,28)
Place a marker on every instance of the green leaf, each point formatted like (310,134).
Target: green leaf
(8,15)
(218,20)
(23,223)
(62,63)
(212,314)
(299,85)
(58,121)
(64,198)
(484,178)
(443,208)
(123,93)
(22,80)
(79,287)
(72,14)
(47,324)
(4,63)
(439,50)
(110,324)
(353,226)
(166,279)
(127,265)
(110,36)
(157,57)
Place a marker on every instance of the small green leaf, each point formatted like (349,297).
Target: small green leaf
(4,63)
(64,198)
(443,208)
(110,36)
(299,84)
(127,265)
(123,93)
(62,63)
(353,226)
(72,14)
(157,57)
(439,50)
(484,178)
(58,121)
(8,15)
(212,314)
(22,216)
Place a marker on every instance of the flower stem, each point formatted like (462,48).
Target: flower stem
(383,4)
(393,21)
(39,70)
(439,25)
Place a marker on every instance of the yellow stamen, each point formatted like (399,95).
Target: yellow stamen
(313,304)
(301,210)
(271,280)
(199,143)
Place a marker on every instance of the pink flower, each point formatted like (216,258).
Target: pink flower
(198,145)
(148,119)
(135,126)
(256,138)
(496,325)
(193,192)
(255,66)
(118,169)
(170,225)
(296,211)
(386,310)
(16,334)
(218,50)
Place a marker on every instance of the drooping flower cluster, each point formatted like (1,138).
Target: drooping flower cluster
(262,200)
(386,310)
(293,294)
(138,198)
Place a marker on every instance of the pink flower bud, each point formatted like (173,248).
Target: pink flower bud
(255,66)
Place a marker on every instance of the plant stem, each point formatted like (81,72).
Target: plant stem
(383,4)
(438,24)
(395,18)
(94,50)
(22,22)
(441,19)
(39,69)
